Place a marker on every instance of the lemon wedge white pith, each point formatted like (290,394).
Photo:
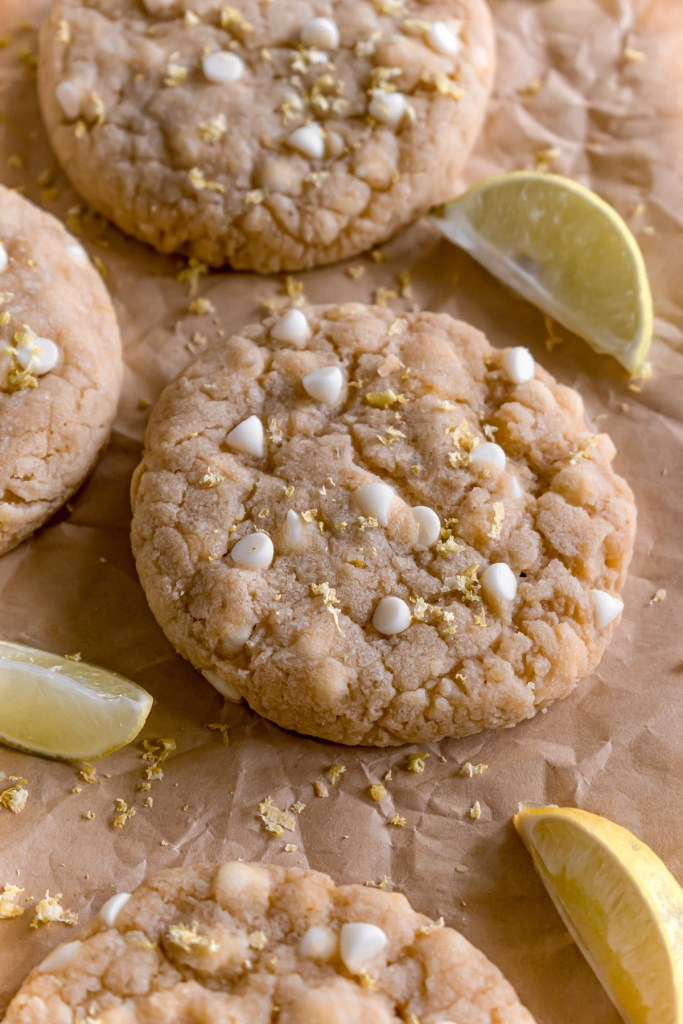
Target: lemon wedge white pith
(65,709)
(564,249)
(619,901)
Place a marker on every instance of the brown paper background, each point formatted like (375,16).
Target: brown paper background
(613,747)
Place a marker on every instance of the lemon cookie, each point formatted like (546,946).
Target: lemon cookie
(266,135)
(380,529)
(60,367)
(250,944)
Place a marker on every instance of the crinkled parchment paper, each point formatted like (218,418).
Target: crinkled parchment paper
(591,88)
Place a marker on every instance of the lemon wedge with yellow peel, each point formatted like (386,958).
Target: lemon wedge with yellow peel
(621,904)
(565,250)
(66,709)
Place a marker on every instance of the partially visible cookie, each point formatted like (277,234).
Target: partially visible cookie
(380,529)
(270,136)
(250,944)
(60,367)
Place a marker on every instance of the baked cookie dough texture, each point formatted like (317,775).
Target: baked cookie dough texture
(379,529)
(268,135)
(60,367)
(249,944)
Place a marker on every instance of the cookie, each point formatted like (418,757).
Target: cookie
(60,367)
(249,944)
(380,529)
(270,136)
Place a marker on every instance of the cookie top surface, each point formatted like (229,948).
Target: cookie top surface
(250,943)
(273,135)
(277,540)
(60,366)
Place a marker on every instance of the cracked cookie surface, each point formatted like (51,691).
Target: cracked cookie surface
(270,136)
(277,538)
(251,944)
(60,367)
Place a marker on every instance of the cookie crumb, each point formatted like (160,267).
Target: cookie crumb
(201,306)
(416,763)
(123,813)
(320,789)
(8,905)
(530,89)
(49,911)
(659,596)
(222,729)
(355,273)
(397,821)
(274,820)
(469,770)
(335,772)
(377,791)
(14,798)
(475,811)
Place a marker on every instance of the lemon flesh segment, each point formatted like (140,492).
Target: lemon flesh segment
(65,709)
(620,903)
(565,250)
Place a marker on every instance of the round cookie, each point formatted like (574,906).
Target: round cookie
(380,529)
(60,367)
(271,136)
(250,944)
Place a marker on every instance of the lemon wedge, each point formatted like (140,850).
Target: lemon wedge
(565,250)
(65,709)
(621,904)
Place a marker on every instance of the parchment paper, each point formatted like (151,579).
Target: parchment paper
(613,119)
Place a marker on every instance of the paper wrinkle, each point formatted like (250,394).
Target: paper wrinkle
(612,747)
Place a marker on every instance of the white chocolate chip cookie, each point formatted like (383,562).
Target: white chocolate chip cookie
(250,944)
(60,367)
(271,136)
(340,556)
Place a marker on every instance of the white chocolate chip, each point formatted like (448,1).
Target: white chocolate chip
(489,456)
(293,527)
(60,957)
(518,364)
(376,499)
(78,254)
(515,487)
(443,40)
(392,615)
(318,943)
(4,259)
(321,33)
(254,551)
(387,107)
(360,943)
(429,523)
(39,355)
(308,140)
(292,328)
(499,582)
(324,385)
(222,67)
(247,437)
(225,689)
(158,6)
(113,907)
(607,607)
(70,97)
